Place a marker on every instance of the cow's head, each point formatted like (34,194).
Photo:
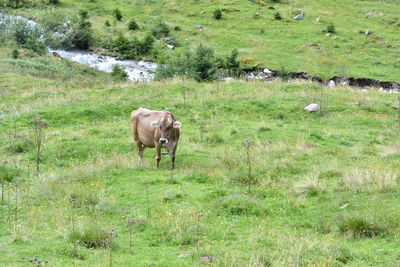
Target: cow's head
(166,126)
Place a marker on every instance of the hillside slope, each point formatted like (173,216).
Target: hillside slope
(323,188)
(250,27)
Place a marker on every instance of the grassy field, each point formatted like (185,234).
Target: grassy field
(322,189)
(250,27)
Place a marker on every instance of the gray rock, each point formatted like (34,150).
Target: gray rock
(206,259)
(199,26)
(364,90)
(312,107)
(182,255)
(299,16)
(318,19)
(369,15)
(331,84)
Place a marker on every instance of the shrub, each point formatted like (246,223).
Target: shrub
(132,25)
(331,28)
(133,48)
(119,73)
(15,53)
(117,14)
(107,23)
(53,2)
(217,14)
(160,30)
(277,16)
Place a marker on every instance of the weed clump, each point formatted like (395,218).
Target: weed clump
(238,204)
(359,227)
(91,237)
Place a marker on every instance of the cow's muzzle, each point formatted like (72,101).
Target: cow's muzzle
(163,141)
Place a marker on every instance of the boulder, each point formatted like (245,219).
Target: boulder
(299,16)
(312,107)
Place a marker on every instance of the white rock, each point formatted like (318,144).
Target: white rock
(170,47)
(328,34)
(267,71)
(312,107)
(317,19)
(331,84)
(364,90)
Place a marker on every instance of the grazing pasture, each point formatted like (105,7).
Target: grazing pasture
(258,181)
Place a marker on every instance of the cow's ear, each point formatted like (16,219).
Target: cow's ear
(155,124)
(177,124)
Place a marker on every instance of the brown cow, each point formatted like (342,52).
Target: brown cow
(159,129)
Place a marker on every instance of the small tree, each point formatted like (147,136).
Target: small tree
(119,73)
(132,25)
(331,28)
(277,16)
(203,64)
(217,14)
(117,14)
(15,53)
(232,64)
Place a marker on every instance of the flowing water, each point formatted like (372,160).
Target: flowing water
(136,70)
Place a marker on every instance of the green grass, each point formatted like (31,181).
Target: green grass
(324,187)
(261,40)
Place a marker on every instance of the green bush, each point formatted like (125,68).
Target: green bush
(119,73)
(132,25)
(107,23)
(160,30)
(132,48)
(200,64)
(117,14)
(217,14)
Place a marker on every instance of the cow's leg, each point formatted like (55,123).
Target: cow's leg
(172,155)
(158,154)
(140,149)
